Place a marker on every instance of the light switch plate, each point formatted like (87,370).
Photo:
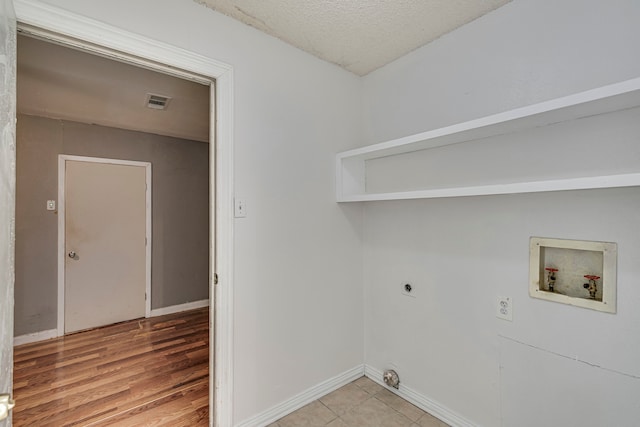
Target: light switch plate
(240,210)
(51,205)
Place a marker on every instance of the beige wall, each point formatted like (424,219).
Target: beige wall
(180,196)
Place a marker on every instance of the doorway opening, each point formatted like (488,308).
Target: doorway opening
(68,29)
(72,103)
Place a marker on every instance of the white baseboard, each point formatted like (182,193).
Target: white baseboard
(307,396)
(434,408)
(179,308)
(35,337)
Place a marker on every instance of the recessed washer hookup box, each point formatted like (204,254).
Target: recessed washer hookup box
(575,272)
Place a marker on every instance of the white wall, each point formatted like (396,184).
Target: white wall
(554,364)
(298,290)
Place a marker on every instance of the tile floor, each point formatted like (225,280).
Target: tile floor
(362,403)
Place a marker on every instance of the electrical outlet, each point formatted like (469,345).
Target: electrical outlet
(504,309)
(408,289)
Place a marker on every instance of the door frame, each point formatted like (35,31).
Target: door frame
(62,26)
(62,243)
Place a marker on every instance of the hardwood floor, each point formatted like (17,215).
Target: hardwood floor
(147,372)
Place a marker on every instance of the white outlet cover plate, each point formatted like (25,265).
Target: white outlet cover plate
(504,308)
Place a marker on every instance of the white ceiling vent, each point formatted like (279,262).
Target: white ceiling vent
(157,102)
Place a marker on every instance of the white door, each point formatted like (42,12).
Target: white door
(7,198)
(105,243)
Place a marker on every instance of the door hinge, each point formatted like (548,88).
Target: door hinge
(215,278)
(145,296)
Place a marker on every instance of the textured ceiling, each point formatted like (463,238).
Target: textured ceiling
(359,35)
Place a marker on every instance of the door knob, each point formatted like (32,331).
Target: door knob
(72,254)
(6,404)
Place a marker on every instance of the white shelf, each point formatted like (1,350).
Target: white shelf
(351,165)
